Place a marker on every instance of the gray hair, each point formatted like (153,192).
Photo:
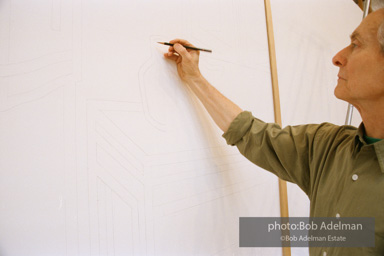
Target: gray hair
(380,35)
(376,5)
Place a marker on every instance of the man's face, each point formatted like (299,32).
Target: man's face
(361,74)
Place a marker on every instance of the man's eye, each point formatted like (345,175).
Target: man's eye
(354,45)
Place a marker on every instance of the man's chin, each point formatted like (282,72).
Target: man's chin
(342,96)
(336,92)
(339,93)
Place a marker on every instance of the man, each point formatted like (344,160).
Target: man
(340,168)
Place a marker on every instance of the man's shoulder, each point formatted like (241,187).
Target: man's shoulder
(332,134)
(339,130)
(327,131)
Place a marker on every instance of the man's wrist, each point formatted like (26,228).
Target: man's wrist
(195,79)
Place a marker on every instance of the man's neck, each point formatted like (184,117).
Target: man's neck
(373,121)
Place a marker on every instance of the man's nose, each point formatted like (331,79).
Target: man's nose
(340,59)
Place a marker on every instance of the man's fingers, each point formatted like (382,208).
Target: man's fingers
(171,56)
(181,41)
(177,50)
(182,51)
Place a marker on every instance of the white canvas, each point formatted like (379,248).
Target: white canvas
(103,151)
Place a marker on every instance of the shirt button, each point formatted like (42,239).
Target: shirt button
(355,177)
(337,215)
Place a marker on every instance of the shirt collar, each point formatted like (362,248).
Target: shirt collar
(360,134)
(378,146)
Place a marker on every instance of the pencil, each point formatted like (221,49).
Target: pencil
(188,47)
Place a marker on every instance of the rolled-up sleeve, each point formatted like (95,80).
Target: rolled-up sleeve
(285,152)
(238,128)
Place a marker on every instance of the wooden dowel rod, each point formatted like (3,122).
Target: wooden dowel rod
(276,103)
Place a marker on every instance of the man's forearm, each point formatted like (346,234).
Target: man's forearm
(221,109)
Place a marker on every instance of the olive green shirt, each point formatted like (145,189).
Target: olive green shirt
(341,174)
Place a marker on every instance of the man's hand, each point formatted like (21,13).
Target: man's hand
(187,60)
